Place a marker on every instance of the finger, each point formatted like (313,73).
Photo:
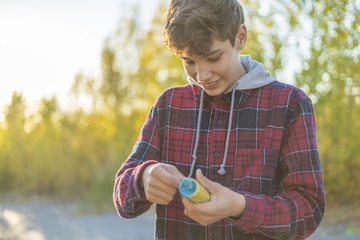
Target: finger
(187,203)
(158,192)
(188,206)
(192,211)
(160,197)
(196,208)
(169,175)
(157,185)
(206,183)
(158,200)
(178,176)
(161,194)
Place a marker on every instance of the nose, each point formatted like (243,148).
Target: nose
(203,73)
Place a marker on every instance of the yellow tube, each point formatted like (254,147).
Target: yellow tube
(191,189)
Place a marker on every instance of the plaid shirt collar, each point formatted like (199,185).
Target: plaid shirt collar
(240,96)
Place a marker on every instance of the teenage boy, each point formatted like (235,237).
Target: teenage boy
(251,138)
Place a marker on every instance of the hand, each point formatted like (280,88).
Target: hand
(160,182)
(224,203)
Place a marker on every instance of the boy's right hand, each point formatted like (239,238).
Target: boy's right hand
(160,182)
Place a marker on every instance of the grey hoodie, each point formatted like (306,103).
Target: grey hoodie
(255,77)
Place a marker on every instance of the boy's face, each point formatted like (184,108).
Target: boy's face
(219,70)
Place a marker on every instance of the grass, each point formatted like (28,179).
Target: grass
(343,215)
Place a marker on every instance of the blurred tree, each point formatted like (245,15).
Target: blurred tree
(331,76)
(45,173)
(158,68)
(313,44)
(15,113)
(14,151)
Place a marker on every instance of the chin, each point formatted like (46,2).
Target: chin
(214,93)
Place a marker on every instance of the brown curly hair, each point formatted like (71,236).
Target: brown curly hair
(191,25)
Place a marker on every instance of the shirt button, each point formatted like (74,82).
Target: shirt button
(219,100)
(220,122)
(217,154)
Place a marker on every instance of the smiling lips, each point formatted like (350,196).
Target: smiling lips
(211,85)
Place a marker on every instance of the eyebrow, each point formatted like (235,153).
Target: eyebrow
(213,52)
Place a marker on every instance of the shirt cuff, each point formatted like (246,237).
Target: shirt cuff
(253,214)
(139,192)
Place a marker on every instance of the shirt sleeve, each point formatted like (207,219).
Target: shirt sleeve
(298,207)
(129,199)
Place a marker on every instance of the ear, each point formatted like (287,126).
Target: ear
(241,37)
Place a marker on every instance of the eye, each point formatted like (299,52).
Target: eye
(216,59)
(188,61)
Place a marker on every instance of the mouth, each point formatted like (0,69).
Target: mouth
(210,85)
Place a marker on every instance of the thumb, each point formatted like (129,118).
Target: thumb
(206,183)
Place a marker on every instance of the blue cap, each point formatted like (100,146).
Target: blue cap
(188,187)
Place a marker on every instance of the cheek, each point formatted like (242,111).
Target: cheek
(230,66)
(190,71)
(222,68)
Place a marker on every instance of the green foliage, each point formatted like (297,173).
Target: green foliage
(332,78)
(315,45)
(14,150)
(75,154)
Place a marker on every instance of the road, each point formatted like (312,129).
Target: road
(57,221)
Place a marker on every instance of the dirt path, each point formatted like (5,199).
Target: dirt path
(56,221)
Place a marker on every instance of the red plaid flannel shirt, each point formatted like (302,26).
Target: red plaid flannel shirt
(272,159)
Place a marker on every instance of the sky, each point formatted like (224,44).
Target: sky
(45,43)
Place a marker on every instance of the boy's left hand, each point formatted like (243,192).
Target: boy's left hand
(224,203)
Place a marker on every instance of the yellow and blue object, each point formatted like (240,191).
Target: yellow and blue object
(191,189)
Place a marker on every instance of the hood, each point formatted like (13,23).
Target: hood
(255,77)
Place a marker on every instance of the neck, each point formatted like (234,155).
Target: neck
(242,71)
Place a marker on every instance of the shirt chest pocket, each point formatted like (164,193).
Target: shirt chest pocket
(255,169)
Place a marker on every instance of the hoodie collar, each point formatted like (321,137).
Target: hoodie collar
(255,77)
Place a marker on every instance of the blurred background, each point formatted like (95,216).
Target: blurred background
(78,79)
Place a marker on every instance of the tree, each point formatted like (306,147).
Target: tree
(14,150)
(312,44)
(331,76)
